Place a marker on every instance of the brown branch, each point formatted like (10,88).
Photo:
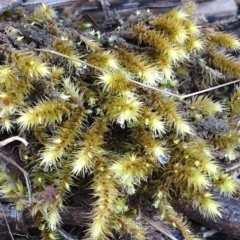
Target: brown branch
(70,216)
(229,224)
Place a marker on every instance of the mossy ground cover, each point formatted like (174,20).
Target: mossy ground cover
(114,112)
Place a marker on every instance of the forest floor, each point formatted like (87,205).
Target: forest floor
(36,37)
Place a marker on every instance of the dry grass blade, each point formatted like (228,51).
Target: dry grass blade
(142,84)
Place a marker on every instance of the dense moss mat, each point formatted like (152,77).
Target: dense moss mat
(107,111)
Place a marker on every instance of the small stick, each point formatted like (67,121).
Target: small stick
(11,139)
(158,227)
(139,83)
(233,167)
(105,6)
(209,233)
(65,235)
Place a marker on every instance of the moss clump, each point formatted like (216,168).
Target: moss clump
(108,111)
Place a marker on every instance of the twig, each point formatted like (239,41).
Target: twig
(209,233)
(105,6)
(65,235)
(158,227)
(12,139)
(9,230)
(139,83)
(233,167)
(25,173)
(65,56)
(21,224)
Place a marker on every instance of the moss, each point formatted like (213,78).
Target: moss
(92,111)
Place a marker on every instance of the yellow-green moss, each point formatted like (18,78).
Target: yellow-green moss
(84,105)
